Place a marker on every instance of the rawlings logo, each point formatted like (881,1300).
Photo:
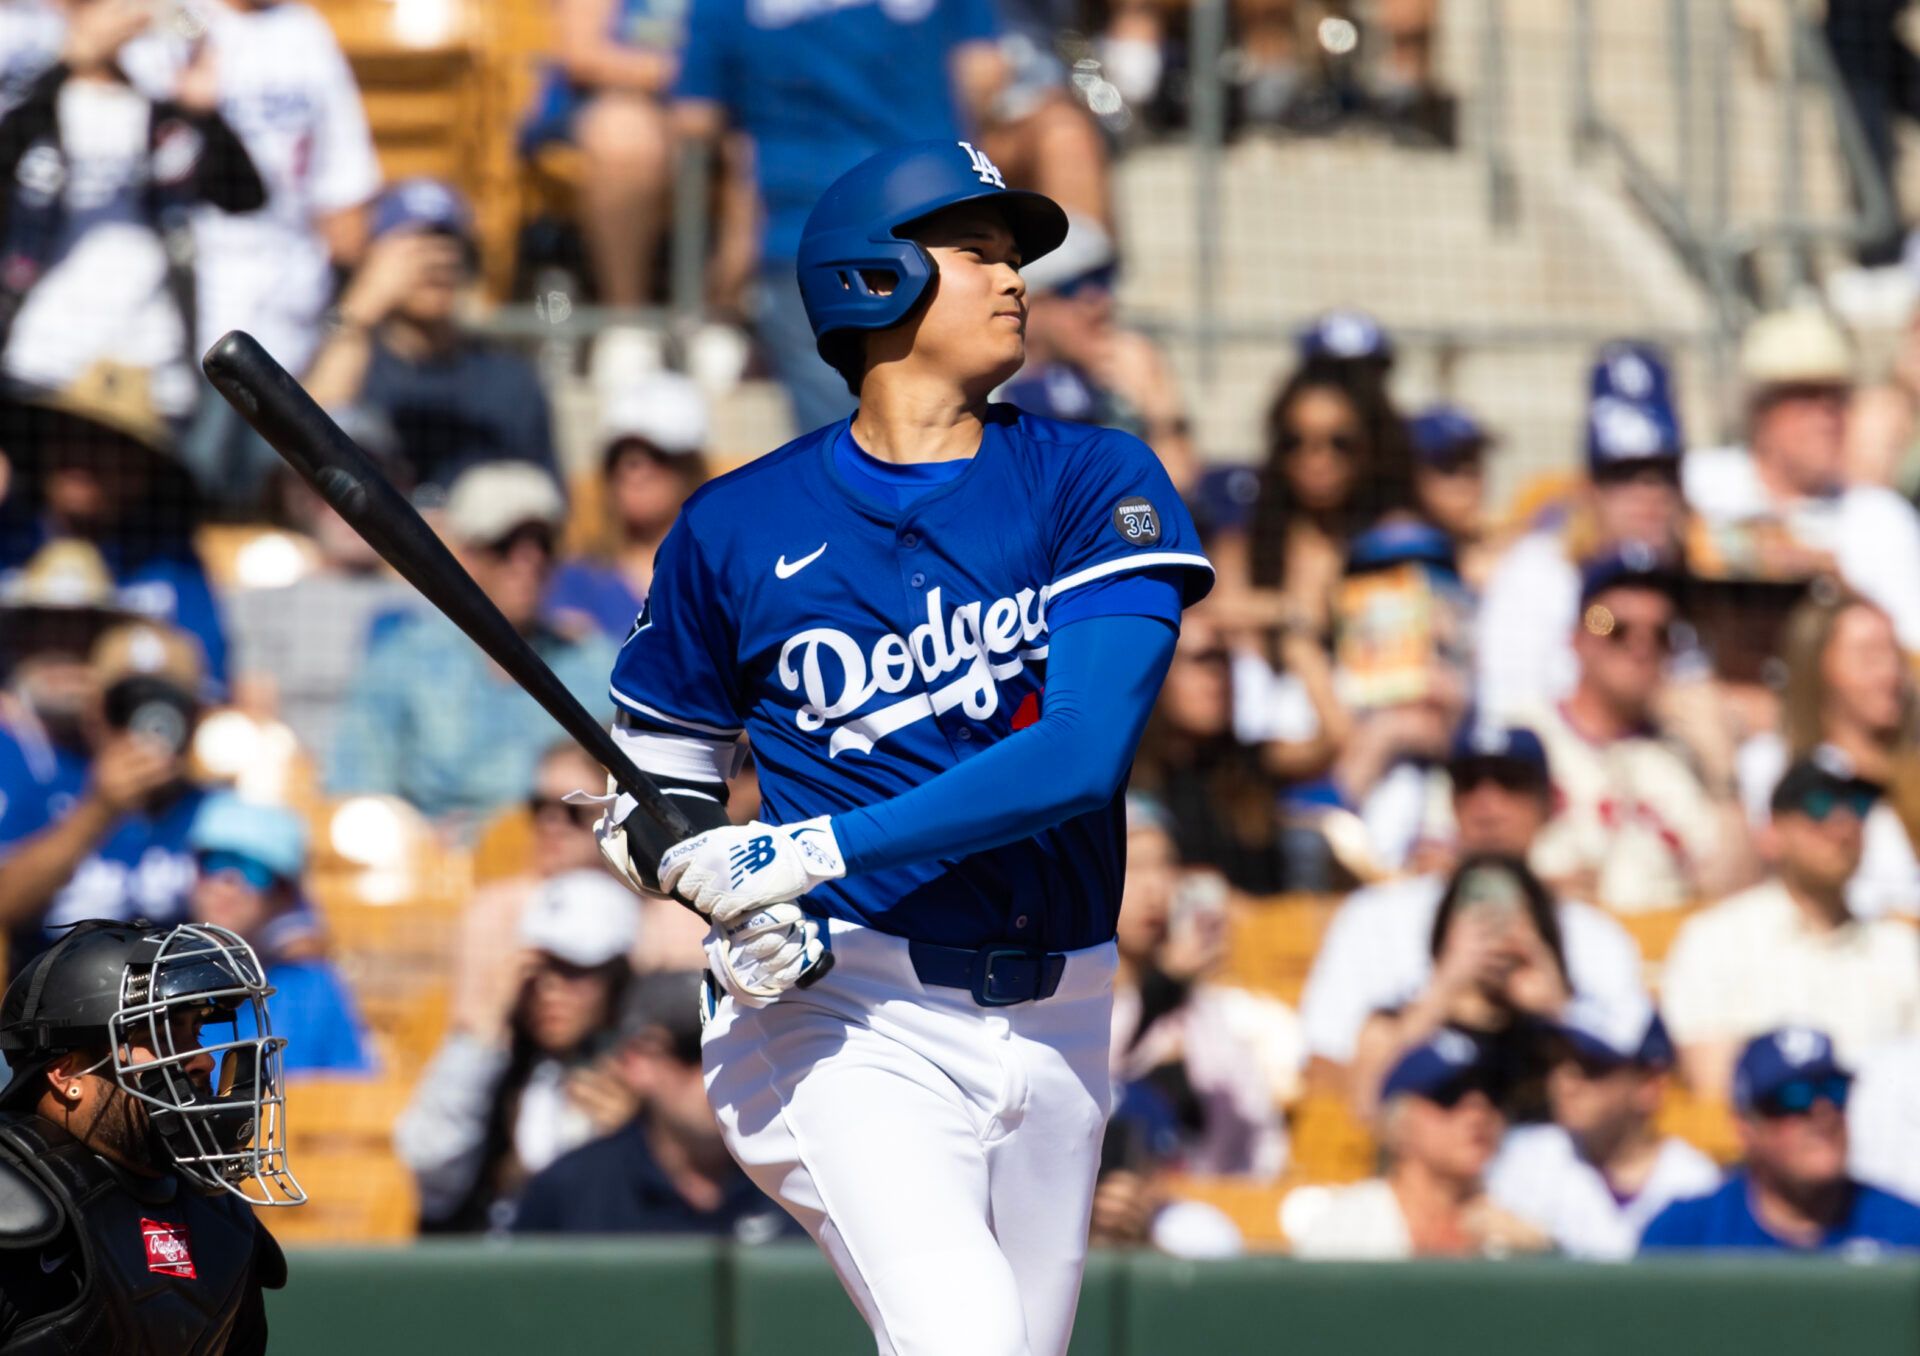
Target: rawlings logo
(167,1250)
(989,642)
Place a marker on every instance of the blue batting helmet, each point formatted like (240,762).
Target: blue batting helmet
(856,226)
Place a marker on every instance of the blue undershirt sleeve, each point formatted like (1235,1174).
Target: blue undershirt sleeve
(1103,675)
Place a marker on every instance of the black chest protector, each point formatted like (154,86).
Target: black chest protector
(136,1246)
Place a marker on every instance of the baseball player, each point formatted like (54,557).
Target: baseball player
(943,623)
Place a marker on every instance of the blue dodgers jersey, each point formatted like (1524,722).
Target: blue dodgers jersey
(1876,1222)
(865,649)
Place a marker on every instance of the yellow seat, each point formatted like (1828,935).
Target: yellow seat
(1254,1207)
(1330,1143)
(1272,943)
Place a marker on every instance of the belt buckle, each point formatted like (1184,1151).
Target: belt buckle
(987,990)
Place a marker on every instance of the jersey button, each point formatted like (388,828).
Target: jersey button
(910,540)
(1021,921)
(964,735)
(918,579)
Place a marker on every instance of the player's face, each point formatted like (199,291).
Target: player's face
(1864,673)
(974,324)
(1146,897)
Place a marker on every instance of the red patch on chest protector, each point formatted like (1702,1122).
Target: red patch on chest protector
(168,1253)
(1028,711)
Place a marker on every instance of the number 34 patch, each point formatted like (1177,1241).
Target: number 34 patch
(1137,521)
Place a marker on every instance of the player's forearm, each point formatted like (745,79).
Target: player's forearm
(1103,675)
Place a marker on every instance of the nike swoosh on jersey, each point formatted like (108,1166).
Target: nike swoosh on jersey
(786,571)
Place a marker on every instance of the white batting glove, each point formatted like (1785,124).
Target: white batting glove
(759,957)
(730,872)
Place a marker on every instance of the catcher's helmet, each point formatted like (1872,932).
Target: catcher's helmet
(177,994)
(856,226)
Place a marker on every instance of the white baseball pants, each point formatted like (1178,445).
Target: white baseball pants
(942,1154)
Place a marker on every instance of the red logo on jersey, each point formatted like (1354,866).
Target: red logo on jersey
(1028,712)
(167,1251)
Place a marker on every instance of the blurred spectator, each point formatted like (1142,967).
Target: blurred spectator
(666,1171)
(96,463)
(1883,1118)
(101,832)
(1402,665)
(1631,497)
(526,1076)
(1788,950)
(1593,1178)
(1779,507)
(1337,462)
(1440,1126)
(1085,367)
(31,35)
(1220,798)
(1299,69)
(1223,1061)
(819,87)
(1792,1192)
(250,860)
(1450,486)
(1849,688)
(1377,954)
(101,178)
(1133,1206)
(1499,976)
(285,89)
(1350,340)
(453,398)
(653,438)
(1882,79)
(429,717)
(298,646)
(1639,824)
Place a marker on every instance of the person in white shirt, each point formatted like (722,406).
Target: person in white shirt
(1883,1119)
(1377,953)
(31,32)
(1638,826)
(1594,1177)
(1439,1128)
(1780,506)
(1788,951)
(1531,604)
(1848,687)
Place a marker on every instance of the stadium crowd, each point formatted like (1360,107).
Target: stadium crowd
(1480,752)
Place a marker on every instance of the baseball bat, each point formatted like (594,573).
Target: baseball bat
(281,411)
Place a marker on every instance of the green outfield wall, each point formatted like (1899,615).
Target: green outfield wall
(694,1299)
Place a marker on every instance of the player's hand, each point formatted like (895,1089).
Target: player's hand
(728,873)
(759,957)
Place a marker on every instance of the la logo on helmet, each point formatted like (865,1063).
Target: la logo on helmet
(988,171)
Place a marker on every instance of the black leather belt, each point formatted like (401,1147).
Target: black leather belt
(996,976)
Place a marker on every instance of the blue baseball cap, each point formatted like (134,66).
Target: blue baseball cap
(1479,742)
(1618,1032)
(1444,433)
(269,835)
(1774,1059)
(1446,1061)
(1625,432)
(1345,335)
(1402,542)
(1631,369)
(423,204)
(1630,564)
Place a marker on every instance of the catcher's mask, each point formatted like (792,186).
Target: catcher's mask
(193,999)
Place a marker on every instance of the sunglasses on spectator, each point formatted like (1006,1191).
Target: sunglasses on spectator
(537,534)
(1820,803)
(1617,631)
(1464,462)
(546,962)
(1097,281)
(256,874)
(582,816)
(1450,1095)
(1508,776)
(1346,444)
(1211,655)
(1637,473)
(1798,1097)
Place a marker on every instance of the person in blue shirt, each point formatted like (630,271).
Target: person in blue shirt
(820,85)
(666,1171)
(250,859)
(943,623)
(1793,1192)
(96,464)
(96,827)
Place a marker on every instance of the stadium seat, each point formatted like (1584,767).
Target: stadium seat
(1272,944)
(1254,1207)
